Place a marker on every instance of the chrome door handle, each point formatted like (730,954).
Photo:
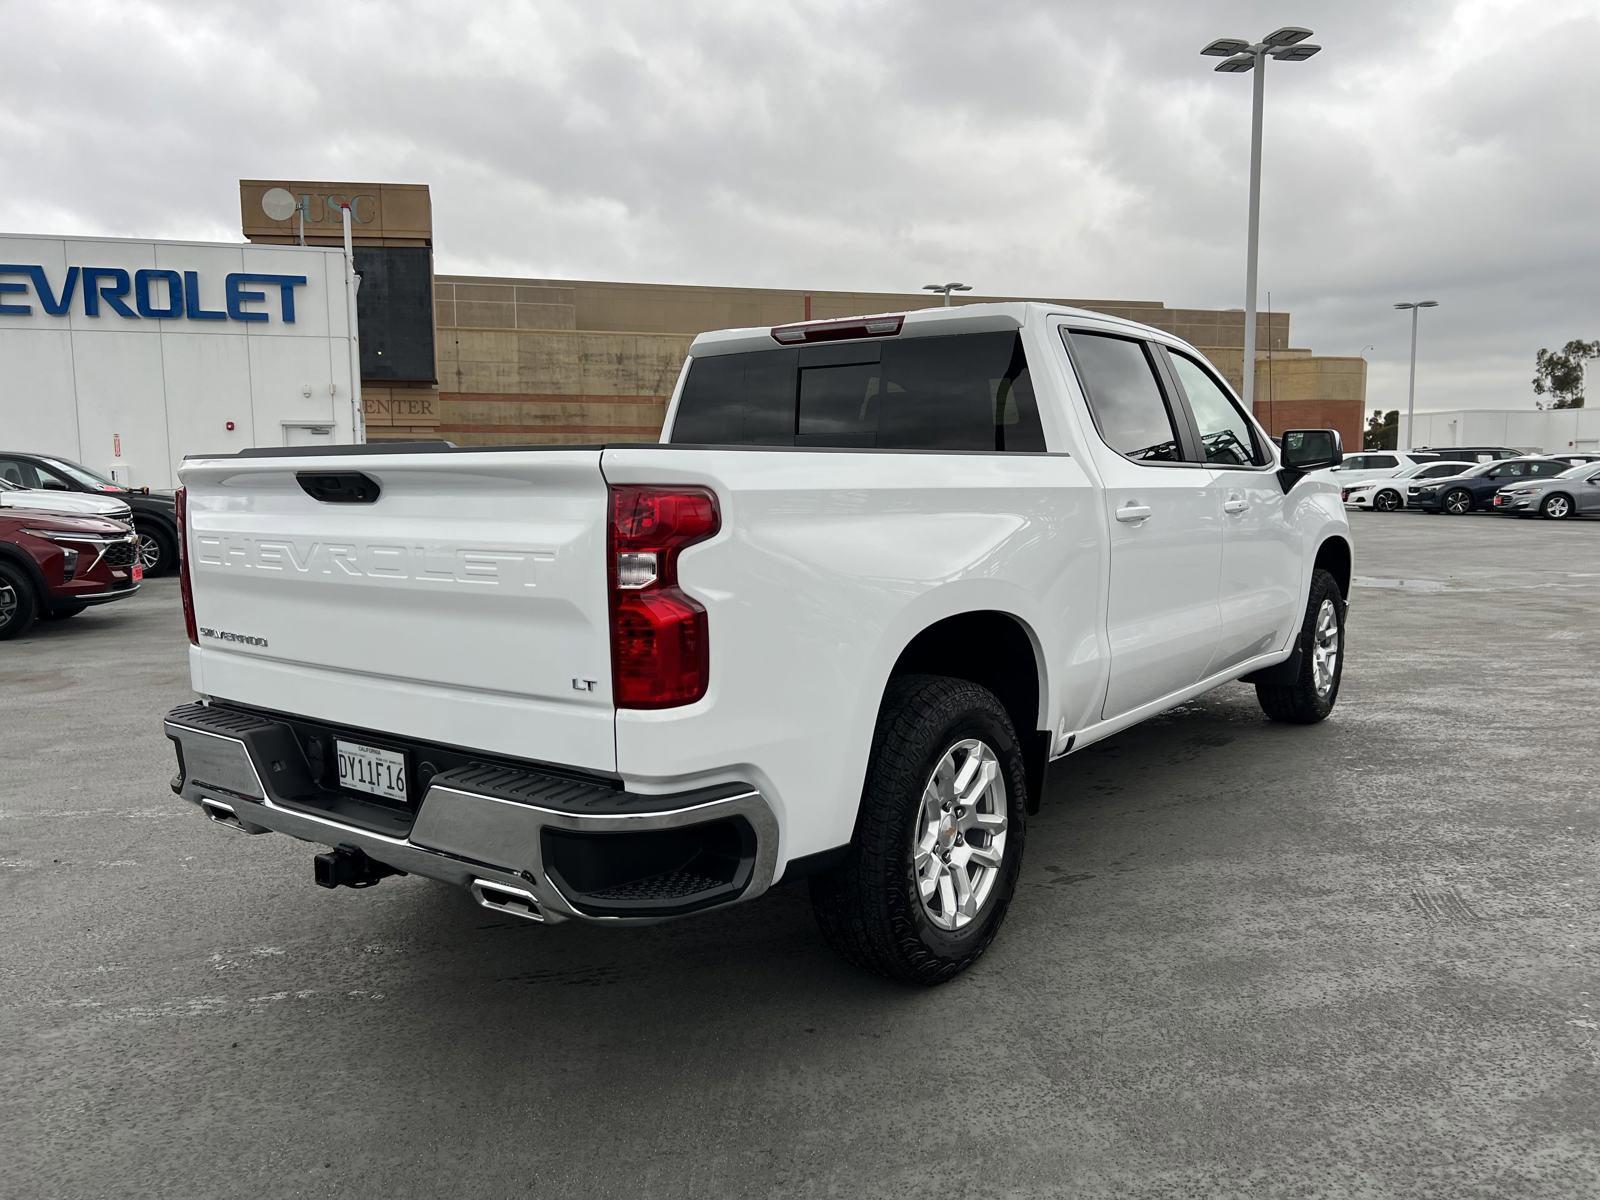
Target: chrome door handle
(1132,514)
(1235,504)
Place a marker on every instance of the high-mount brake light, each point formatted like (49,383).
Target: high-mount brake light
(185,586)
(838,331)
(660,637)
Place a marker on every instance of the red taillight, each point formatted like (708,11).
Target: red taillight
(839,331)
(660,641)
(183,567)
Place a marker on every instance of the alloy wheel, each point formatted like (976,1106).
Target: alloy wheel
(8,604)
(959,838)
(149,553)
(1457,503)
(1325,649)
(1386,501)
(1557,508)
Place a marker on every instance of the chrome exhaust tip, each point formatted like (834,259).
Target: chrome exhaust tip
(503,898)
(223,814)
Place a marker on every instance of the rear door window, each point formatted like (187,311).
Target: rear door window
(18,472)
(1381,462)
(1546,468)
(955,392)
(1125,397)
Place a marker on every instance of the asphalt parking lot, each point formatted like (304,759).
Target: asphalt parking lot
(1359,959)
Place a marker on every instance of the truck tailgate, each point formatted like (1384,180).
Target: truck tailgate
(465,605)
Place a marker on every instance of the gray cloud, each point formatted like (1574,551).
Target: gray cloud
(1433,149)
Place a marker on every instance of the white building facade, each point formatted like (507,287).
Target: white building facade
(126,355)
(1551,431)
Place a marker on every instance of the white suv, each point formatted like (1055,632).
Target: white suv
(1376,464)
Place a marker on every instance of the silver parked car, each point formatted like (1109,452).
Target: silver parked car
(1574,492)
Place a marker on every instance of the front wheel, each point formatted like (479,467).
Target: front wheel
(938,842)
(18,604)
(158,553)
(1387,500)
(1314,692)
(1458,502)
(1557,507)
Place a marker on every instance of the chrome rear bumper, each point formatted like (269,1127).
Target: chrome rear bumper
(485,828)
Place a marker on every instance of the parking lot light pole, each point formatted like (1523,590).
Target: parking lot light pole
(1411,388)
(1289,44)
(947,288)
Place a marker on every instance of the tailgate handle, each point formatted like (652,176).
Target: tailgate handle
(338,487)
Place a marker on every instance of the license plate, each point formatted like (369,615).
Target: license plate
(138,572)
(372,769)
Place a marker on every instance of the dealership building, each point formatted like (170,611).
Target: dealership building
(127,355)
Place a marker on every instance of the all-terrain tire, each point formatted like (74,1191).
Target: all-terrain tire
(1310,697)
(869,906)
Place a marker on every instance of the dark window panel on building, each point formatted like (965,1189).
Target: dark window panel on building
(395,308)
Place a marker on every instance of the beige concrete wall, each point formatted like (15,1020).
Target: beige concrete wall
(562,361)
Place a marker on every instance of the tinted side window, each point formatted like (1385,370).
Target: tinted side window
(1378,462)
(958,392)
(20,473)
(1546,468)
(1228,437)
(1124,397)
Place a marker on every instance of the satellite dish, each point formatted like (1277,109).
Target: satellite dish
(279,203)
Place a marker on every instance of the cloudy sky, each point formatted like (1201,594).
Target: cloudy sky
(1434,149)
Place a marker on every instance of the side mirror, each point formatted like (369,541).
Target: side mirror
(52,485)
(1311,449)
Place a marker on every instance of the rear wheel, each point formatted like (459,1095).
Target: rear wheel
(1557,507)
(1457,502)
(938,841)
(18,604)
(1387,500)
(1314,692)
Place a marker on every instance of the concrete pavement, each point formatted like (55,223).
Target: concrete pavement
(1360,959)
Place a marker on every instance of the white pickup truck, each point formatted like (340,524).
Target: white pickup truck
(876,575)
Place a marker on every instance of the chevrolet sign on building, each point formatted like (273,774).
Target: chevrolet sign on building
(147,294)
(127,355)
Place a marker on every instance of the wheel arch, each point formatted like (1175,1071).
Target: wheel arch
(23,561)
(1335,556)
(998,651)
(1572,502)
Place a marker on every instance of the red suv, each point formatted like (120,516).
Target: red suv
(56,566)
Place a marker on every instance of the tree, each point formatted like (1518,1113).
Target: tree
(1383,430)
(1559,373)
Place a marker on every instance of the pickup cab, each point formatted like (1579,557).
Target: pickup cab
(876,576)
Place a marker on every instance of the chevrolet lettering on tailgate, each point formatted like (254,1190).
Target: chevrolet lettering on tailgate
(379,561)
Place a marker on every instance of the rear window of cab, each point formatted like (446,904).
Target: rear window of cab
(967,391)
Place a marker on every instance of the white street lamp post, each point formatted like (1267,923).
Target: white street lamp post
(947,288)
(1411,388)
(1289,44)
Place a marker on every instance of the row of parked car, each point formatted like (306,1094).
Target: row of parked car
(71,538)
(1474,478)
